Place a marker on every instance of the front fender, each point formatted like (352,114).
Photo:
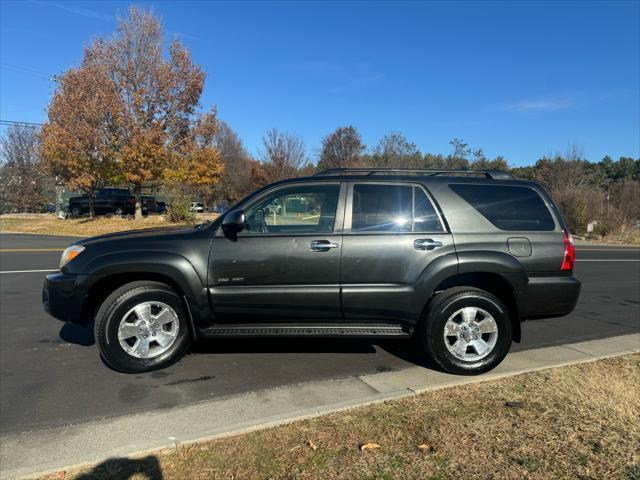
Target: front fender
(158,263)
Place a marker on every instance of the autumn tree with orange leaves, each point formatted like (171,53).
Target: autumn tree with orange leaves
(197,162)
(78,143)
(152,128)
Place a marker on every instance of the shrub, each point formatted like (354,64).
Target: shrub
(180,211)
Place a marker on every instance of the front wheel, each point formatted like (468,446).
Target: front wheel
(466,331)
(141,327)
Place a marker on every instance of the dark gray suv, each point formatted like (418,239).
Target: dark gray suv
(456,259)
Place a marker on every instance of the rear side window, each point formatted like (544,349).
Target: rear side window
(507,207)
(392,208)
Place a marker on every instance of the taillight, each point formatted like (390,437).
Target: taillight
(569,252)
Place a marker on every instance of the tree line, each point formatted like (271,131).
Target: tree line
(130,115)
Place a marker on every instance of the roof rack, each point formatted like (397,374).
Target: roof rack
(493,174)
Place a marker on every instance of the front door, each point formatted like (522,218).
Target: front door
(392,233)
(285,264)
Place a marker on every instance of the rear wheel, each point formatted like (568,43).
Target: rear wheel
(466,330)
(142,326)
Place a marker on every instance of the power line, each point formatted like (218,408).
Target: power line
(17,123)
(28,71)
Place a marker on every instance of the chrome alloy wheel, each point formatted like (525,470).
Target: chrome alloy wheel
(148,329)
(470,334)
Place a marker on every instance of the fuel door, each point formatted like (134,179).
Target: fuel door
(519,246)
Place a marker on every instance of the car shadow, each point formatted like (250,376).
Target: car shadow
(147,468)
(407,350)
(78,334)
(410,351)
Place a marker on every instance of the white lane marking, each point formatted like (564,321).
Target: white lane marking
(29,271)
(608,260)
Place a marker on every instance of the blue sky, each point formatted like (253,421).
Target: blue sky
(519,79)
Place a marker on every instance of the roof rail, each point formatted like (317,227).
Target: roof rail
(493,174)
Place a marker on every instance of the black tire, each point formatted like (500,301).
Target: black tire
(438,312)
(115,307)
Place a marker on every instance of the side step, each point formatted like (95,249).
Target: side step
(361,330)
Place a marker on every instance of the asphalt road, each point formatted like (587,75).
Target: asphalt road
(51,374)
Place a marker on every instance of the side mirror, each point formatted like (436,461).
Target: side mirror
(233,223)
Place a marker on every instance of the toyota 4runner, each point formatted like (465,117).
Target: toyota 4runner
(456,259)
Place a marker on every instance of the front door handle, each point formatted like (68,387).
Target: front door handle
(322,245)
(426,244)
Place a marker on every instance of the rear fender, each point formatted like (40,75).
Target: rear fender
(511,275)
(492,262)
(436,272)
(472,269)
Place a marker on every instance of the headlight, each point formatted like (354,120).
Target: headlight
(70,253)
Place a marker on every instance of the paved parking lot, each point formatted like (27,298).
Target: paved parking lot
(51,374)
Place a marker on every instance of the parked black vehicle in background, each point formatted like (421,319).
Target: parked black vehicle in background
(78,206)
(456,259)
(149,204)
(111,201)
(161,207)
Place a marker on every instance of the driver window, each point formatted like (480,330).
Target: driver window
(294,210)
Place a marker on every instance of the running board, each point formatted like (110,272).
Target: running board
(381,330)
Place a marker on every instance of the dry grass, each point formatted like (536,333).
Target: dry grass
(580,422)
(48,224)
(632,239)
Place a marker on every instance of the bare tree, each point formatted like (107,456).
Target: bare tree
(481,162)
(23,178)
(571,182)
(395,151)
(283,155)
(460,149)
(458,160)
(236,181)
(341,148)
(568,171)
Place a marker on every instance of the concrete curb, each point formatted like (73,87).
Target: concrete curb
(29,453)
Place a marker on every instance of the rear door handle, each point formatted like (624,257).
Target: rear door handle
(426,244)
(322,245)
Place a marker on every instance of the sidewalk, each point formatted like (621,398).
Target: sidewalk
(31,452)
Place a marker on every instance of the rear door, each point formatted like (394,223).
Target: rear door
(392,233)
(285,265)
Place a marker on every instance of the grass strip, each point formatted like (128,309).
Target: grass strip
(48,224)
(580,421)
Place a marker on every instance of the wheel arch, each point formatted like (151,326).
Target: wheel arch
(110,272)
(102,288)
(493,283)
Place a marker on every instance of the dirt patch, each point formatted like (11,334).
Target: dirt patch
(580,421)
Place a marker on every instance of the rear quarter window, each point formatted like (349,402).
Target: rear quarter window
(508,207)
